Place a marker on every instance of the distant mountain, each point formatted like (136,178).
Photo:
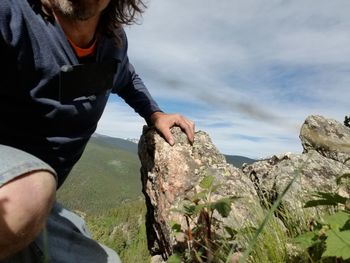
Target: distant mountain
(107,174)
(131,145)
(238,161)
(125,144)
(134,140)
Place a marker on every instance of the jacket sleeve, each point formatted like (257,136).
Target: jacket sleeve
(130,87)
(5,20)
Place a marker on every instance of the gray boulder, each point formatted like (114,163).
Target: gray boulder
(327,136)
(171,174)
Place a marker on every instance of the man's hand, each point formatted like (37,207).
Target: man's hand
(163,122)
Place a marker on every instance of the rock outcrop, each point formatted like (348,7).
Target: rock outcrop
(328,137)
(171,174)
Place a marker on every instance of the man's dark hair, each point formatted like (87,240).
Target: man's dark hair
(117,14)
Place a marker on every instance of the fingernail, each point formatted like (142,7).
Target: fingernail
(171,142)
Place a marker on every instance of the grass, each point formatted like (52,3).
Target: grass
(270,245)
(123,229)
(272,240)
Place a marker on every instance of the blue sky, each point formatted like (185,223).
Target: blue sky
(247,72)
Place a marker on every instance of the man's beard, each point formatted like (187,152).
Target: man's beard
(76,9)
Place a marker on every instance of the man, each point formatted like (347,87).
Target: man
(61,59)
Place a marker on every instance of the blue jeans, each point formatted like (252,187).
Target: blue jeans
(65,238)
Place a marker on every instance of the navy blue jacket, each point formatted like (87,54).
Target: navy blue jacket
(49,103)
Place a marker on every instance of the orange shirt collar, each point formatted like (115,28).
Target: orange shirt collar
(83,52)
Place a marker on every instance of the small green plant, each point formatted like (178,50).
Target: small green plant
(207,238)
(329,239)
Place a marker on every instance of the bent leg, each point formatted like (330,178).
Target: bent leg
(68,240)
(65,240)
(27,192)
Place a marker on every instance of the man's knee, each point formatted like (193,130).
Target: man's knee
(25,203)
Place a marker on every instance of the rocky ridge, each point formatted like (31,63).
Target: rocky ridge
(171,174)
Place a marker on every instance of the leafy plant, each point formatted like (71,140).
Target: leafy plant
(207,238)
(329,238)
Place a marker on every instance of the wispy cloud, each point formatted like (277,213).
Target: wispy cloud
(259,66)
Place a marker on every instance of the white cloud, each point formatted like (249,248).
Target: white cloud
(264,64)
(119,120)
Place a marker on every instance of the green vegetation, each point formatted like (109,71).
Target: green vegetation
(266,244)
(329,238)
(328,241)
(105,188)
(104,177)
(123,229)
(208,240)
